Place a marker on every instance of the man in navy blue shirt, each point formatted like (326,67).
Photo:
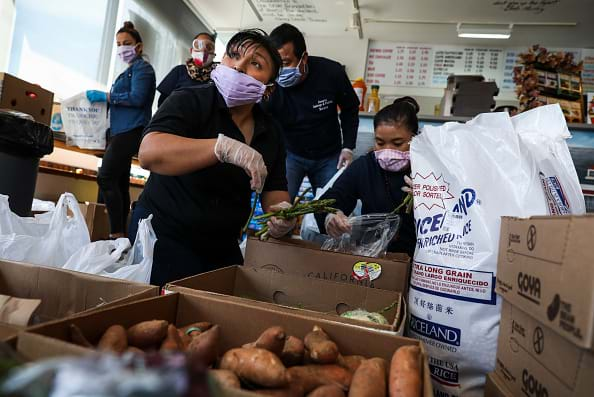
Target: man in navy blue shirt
(305,104)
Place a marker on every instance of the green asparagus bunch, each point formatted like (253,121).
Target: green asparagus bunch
(298,208)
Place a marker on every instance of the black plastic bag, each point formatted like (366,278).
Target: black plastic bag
(24,137)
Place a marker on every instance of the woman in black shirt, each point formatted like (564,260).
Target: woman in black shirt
(207,148)
(380,178)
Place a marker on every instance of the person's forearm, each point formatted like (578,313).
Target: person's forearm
(349,122)
(269,199)
(169,154)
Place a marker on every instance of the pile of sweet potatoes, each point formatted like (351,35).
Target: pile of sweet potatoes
(276,364)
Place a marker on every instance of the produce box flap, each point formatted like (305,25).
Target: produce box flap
(296,293)
(306,259)
(25,97)
(63,293)
(8,331)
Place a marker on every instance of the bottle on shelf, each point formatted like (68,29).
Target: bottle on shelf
(373,102)
(360,89)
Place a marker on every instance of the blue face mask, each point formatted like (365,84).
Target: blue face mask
(289,76)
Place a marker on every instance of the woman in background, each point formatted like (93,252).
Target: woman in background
(130,101)
(380,178)
(195,71)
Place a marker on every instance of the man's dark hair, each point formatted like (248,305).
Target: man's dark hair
(212,36)
(287,33)
(255,37)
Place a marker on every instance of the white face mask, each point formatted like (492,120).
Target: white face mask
(202,58)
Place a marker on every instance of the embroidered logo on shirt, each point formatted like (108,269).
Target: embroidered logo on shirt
(323,104)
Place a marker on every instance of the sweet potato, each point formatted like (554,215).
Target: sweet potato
(196,329)
(311,377)
(293,351)
(172,340)
(350,362)
(114,339)
(327,391)
(370,379)
(147,333)
(320,348)
(205,346)
(135,350)
(185,339)
(256,366)
(291,390)
(406,372)
(77,337)
(272,339)
(225,378)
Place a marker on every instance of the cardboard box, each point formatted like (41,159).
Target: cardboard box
(546,268)
(495,387)
(240,323)
(287,292)
(25,97)
(304,258)
(97,220)
(63,293)
(533,360)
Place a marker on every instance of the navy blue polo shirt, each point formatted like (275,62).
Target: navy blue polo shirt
(178,77)
(308,111)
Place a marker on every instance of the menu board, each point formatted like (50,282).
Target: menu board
(427,65)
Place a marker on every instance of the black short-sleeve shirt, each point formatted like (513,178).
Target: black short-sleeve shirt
(213,202)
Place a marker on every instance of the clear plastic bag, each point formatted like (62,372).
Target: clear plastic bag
(370,235)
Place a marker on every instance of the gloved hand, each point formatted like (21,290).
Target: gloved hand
(345,159)
(277,227)
(96,96)
(337,224)
(408,187)
(231,151)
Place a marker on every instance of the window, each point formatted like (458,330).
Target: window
(58,44)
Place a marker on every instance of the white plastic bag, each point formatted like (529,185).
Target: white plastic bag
(115,259)
(309,226)
(465,177)
(85,123)
(48,239)
(543,131)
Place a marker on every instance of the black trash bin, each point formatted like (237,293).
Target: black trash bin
(22,143)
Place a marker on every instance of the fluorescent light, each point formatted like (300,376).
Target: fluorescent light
(485,35)
(484,31)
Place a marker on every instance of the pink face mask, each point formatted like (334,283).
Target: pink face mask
(392,160)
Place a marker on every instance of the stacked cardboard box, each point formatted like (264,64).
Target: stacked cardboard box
(546,278)
(63,293)
(20,95)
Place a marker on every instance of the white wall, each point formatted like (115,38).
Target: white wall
(7,13)
(352,53)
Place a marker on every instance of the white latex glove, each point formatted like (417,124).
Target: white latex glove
(408,187)
(277,227)
(345,159)
(229,150)
(337,224)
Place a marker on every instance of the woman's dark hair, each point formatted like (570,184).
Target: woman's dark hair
(287,33)
(211,36)
(129,28)
(255,37)
(403,111)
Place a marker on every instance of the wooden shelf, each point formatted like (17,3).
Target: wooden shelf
(97,153)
